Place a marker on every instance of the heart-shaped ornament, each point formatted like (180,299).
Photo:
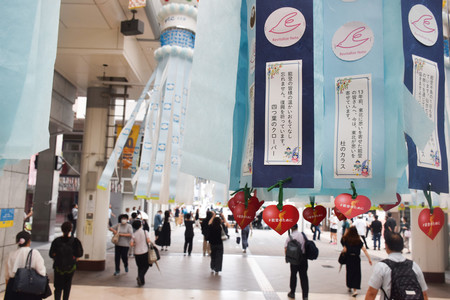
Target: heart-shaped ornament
(431,224)
(232,204)
(352,207)
(338,214)
(316,215)
(281,221)
(387,207)
(244,216)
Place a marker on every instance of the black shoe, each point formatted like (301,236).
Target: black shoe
(139,282)
(291,295)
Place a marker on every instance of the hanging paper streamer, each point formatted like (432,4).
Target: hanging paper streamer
(284,94)
(424,77)
(354,93)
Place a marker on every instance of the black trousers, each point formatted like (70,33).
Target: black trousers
(62,282)
(188,243)
(216,257)
(142,264)
(302,268)
(74,227)
(121,252)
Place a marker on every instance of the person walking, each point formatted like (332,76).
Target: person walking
(205,232)
(215,240)
(188,233)
(17,259)
(157,223)
(390,225)
(123,245)
(164,236)
(74,218)
(244,236)
(382,273)
(375,228)
(65,252)
(140,241)
(360,225)
(317,231)
(352,247)
(111,214)
(333,228)
(405,232)
(301,268)
(197,217)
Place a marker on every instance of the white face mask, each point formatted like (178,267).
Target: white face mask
(124,221)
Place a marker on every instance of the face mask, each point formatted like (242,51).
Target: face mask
(124,221)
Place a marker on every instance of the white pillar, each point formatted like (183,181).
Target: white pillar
(93,203)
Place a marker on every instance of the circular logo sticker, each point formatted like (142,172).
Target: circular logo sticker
(352,41)
(285,27)
(423,25)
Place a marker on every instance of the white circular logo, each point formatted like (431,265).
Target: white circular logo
(285,27)
(352,41)
(423,25)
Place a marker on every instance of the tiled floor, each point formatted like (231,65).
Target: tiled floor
(261,273)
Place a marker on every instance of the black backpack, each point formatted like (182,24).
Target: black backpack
(404,283)
(66,254)
(294,252)
(70,217)
(311,251)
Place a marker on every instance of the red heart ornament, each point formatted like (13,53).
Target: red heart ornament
(431,224)
(316,215)
(387,207)
(281,221)
(244,216)
(338,214)
(232,204)
(352,207)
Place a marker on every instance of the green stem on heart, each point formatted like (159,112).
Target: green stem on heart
(312,200)
(427,194)
(247,195)
(279,184)
(352,184)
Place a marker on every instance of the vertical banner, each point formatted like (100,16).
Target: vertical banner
(424,77)
(284,94)
(354,95)
(128,148)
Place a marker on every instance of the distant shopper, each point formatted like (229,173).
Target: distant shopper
(345,226)
(197,217)
(205,233)
(110,214)
(74,218)
(17,259)
(383,276)
(333,228)
(164,236)
(122,247)
(244,236)
(352,247)
(360,225)
(316,231)
(369,221)
(405,232)
(157,223)
(302,268)
(390,225)
(215,240)
(375,228)
(188,233)
(65,251)
(140,241)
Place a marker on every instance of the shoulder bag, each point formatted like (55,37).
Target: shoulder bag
(153,252)
(28,281)
(115,238)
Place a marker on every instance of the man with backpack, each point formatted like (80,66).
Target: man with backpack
(396,276)
(294,248)
(65,251)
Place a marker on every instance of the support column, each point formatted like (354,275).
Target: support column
(93,203)
(429,254)
(46,192)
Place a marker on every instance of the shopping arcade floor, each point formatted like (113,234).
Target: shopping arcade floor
(261,273)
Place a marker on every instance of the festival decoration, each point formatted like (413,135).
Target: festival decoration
(338,214)
(314,214)
(244,206)
(278,217)
(431,219)
(387,207)
(352,205)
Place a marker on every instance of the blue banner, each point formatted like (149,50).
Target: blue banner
(424,78)
(284,94)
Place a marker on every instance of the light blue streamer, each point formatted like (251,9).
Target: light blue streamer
(122,139)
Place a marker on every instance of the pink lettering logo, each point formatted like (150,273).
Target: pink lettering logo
(284,25)
(353,39)
(423,24)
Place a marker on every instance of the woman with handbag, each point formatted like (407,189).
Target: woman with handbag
(353,245)
(164,236)
(216,242)
(140,241)
(121,248)
(18,259)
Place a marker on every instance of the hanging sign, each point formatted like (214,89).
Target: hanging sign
(387,207)
(315,215)
(352,207)
(284,94)
(338,214)
(281,220)
(431,224)
(133,4)
(424,77)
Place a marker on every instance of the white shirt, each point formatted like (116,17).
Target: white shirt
(296,235)
(18,258)
(381,276)
(360,225)
(334,222)
(140,241)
